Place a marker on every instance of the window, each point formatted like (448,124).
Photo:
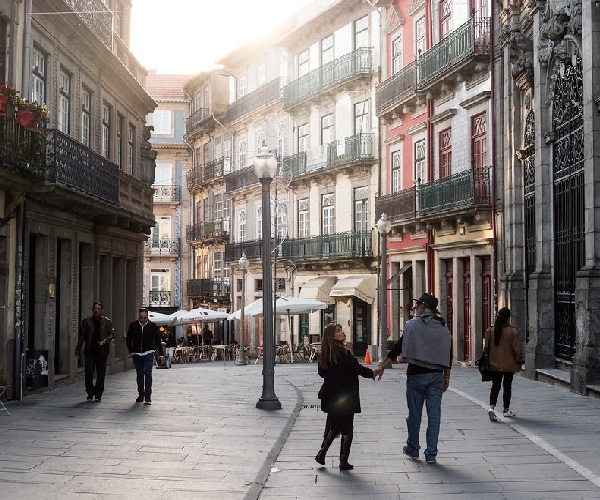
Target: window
(281,219)
(130,148)
(281,140)
(420,172)
(243,149)
(119,152)
(303,63)
(303,138)
(160,287)
(86,134)
(161,120)
(479,140)
(361,117)
(445,152)
(327,214)
(218,201)
(396,171)
(396,55)
(420,36)
(226,207)
(106,112)
(64,102)
(327,50)
(118,20)
(161,233)
(217,265)
(227,154)
(361,198)
(261,74)
(241,226)
(303,219)
(361,37)
(326,129)
(242,86)
(445,17)
(162,174)
(38,76)
(259,222)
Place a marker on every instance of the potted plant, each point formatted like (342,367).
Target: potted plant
(31,115)
(7,95)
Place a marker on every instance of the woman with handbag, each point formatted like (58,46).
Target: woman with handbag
(339,394)
(504,348)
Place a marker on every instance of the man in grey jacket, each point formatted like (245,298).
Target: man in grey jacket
(427,346)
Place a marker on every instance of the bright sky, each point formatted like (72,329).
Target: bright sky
(189,36)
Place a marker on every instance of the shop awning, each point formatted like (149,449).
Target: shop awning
(363,287)
(318,289)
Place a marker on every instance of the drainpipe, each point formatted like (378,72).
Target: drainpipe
(493,169)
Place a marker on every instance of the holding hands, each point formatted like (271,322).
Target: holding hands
(377,372)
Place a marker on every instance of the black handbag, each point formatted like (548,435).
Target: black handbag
(483,363)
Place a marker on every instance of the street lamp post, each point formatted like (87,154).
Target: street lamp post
(265,167)
(241,357)
(383,226)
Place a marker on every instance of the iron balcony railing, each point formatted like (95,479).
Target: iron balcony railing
(210,288)
(76,166)
(336,72)
(240,178)
(162,246)
(348,244)
(350,149)
(398,206)
(253,250)
(471,38)
(464,189)
(160,298)
(217,168)
(164,193)
(21,150)
(295,163)
(196,118)
(256,99)
(397,88)
(96,17)
(207,230)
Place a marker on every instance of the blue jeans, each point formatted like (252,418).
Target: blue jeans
(424,388)
(143,367)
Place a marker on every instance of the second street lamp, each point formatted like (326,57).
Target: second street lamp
(383,226)
(241,357)
(265,168)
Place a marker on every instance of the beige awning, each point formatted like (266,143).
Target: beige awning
(318,289)
(362,286)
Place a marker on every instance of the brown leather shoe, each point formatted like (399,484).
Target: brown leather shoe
(140,399)
(148,400)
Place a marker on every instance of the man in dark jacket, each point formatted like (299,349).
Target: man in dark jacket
(143,339)
(96,332)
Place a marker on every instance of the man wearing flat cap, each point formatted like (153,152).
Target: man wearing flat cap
(427,346)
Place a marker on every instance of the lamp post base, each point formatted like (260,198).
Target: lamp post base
(241,357)
(268,403)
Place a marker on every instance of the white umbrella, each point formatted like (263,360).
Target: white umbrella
(160,318)
(297,305)
(253,309)
(198,315)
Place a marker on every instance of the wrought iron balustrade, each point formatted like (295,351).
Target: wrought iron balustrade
(333,73)
(253,250)
(166,193)
(217,168)
(471,38)
(96,16)
(256,99)
(162,246)
(76,166)
(240,178)
(295,163)
(210,288)
(350,149)
(398,206)
(396,88)
(465,189)
(328,246)
(160,298)
(196,118)
(207,230)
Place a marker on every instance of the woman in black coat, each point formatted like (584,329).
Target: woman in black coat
(339,394)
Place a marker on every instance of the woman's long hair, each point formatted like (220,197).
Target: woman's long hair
(502,319)
(328,356)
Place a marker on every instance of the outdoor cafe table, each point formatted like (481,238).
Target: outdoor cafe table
(221,351)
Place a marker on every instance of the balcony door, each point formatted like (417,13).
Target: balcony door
(161,233)
(479,156)
(160,288)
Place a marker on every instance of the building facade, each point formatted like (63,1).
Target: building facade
(73,230)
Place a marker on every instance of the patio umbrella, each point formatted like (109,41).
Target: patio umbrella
(251,310)
(296,305)
(198,315)
(160,318)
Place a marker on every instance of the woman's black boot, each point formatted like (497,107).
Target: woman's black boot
(345,452)
(320,458)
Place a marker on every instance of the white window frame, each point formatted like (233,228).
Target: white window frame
(420,162)
(106,115)
(303,137)
(327,214)
(162,121)
(361,117)
(241,226)
(259,222)
(303,63)
(130,148)
(397,62)
(64,102)
(361,35)
(327,130)
(327,52)
(86,112)
(396,171)
(38,76)
(303,218)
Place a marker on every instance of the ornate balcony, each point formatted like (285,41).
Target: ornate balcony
(399,206)
(459,52)
(240,179)
(397,91)
(163,246)
(353,149)
(160,298)
(196,118)
(255,100)
(330,76)
(96,17)
(166,194)
(253,250)
(330,246)
(208,232)
(209,290)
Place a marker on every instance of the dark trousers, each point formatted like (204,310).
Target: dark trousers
(497,378)
(143,367)
(340,424)
(95,364)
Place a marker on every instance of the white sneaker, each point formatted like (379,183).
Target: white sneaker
(509,413)
(492,415)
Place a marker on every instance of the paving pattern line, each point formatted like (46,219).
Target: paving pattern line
(538,441)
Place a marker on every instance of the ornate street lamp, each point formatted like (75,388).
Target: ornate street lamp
(383,226)
(265,168)
(241,357)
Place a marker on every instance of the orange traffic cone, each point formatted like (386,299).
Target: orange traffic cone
(367,358)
